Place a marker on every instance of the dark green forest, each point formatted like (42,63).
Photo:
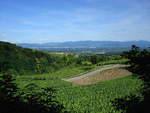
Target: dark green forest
(15,59)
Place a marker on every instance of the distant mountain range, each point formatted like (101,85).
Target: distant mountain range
(87,44)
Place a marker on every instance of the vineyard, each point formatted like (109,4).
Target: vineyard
(95,98)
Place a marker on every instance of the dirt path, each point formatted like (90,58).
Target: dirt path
(107,72)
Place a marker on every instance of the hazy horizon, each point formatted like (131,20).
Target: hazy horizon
(81,41)
(36,21)
(28,42)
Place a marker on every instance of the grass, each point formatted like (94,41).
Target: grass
(52,79)
(94,98)
(121,61)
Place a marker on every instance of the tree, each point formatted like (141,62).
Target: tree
(11,101)
(139,61)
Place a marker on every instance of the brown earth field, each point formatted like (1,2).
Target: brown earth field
(100,75)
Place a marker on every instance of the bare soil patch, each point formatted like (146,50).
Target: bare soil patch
(106,74)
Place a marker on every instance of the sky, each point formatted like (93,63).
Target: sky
(41,21)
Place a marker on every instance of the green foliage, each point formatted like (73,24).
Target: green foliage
(33,102)
(18,60)
(121,61)
(86,63)
(139,61)
(7,87)
(100,59)
(52,79)
(94,59)
(95,98)
(31,87)
(14,59)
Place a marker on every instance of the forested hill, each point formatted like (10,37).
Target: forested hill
(15,59)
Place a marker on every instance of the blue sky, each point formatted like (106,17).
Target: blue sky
(40,21)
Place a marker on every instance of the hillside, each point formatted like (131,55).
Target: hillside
(16,59)
(20,60)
